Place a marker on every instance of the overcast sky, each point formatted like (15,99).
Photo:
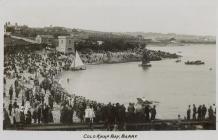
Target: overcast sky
(166,16)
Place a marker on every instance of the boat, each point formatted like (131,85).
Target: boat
(77,63)
(177,61)
(197,62)
(145,65)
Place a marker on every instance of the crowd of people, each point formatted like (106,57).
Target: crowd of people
(32,94)
(200,113)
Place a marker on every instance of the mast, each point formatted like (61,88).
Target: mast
(74,61)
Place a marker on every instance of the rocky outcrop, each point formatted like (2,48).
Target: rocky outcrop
(110,57)
(125,56)
(159,55)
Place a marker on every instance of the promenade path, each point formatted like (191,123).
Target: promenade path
(156,125)
(24,39)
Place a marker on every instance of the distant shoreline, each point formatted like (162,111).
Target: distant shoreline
(176,45)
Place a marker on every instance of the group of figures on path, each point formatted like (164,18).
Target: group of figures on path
(201,112)
(113,116)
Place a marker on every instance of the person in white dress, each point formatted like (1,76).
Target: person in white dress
(89,115)
(92,115)
(46,99)
(72,101)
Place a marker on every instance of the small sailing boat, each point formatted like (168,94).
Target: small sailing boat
(77,63)
(145,65)
(178,60)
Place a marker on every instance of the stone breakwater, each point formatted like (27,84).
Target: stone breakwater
(124,56)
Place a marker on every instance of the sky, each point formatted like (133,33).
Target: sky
(197,17)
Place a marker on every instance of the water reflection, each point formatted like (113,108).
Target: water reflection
(145,68)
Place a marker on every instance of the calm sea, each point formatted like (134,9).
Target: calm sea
(174,85)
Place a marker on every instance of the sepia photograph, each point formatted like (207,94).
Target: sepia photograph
(100,65)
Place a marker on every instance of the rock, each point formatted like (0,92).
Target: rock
(125,56)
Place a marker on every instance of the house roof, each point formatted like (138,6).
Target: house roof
(46,36)
(65,37)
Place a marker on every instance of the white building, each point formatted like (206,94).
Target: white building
(66,44)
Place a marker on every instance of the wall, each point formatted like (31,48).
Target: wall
(70,46)
(66,45)
(61,45)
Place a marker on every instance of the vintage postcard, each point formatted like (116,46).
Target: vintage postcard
(100,65)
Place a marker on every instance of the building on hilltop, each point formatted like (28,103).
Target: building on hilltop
(66,44)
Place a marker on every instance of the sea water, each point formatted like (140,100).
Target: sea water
(173,85)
